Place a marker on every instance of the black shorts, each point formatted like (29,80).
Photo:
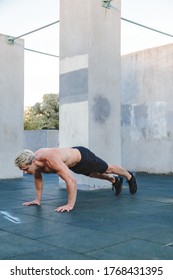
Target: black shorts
(89,163)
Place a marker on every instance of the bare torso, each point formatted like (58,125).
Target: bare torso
(46,156)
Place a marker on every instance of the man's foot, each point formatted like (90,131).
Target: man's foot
(117,186)
(132,184)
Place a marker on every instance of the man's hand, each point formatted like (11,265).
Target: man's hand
(66,207)
(34,202)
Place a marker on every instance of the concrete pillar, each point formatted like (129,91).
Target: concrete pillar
(90,78)
(11,105)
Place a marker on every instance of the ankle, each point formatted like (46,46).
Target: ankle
(129,177)
(113,180)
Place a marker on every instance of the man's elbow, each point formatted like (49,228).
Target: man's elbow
(72,182)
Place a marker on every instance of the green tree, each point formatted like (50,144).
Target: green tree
(43,115)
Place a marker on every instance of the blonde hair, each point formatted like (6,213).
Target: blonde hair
(24,157)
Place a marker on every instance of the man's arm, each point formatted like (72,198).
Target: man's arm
(71,190)
(60,168)
(38,180)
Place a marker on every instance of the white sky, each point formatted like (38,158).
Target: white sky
(42,72)
(157,14)
(18,17)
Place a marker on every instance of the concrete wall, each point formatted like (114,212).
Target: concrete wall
(74,33)
(147,110)
(11,105)
(90,77)
(36,139)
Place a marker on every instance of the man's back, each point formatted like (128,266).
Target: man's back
(69,156)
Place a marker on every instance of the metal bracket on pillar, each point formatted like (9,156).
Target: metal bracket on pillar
(10,40)
(106,4)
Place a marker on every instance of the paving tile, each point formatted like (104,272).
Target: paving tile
(160,233)
(10,218)
(57,253)
(83,240)
(102,226)
(40,229)
(12,245)
(135,249)
(37,211)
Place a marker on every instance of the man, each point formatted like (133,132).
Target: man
(62,161)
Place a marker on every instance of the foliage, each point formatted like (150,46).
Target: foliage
(43,115)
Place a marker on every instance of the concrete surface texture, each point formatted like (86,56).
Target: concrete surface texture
(147,110)
(90,77)
(36,139)
(11,105)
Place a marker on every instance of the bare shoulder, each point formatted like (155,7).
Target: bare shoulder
(44,153)
(41,152)
(47,153)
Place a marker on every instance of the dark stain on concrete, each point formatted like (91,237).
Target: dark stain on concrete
(101,109)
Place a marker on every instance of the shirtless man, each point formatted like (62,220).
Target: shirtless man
(61,161)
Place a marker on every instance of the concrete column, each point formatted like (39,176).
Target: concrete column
(90,78)
(11,105)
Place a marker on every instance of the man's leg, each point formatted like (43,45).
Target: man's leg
(116,181)
(116,169)
(102,176)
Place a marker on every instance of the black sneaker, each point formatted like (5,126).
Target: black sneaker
(117,186)
(132,184)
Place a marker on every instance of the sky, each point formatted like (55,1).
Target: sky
(156,14)
(18,17)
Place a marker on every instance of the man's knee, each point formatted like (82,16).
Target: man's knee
(92,174)
(110,169)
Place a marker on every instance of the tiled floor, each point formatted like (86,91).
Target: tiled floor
(101,226)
